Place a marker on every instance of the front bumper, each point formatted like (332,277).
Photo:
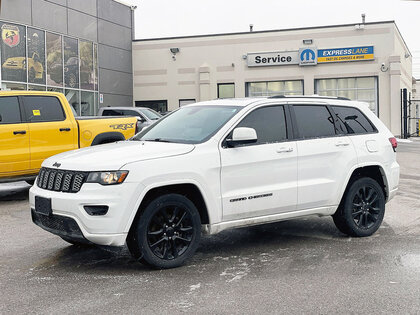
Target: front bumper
(109,229)
(59,225)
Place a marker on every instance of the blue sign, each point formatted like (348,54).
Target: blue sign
(345,54)
(307,56)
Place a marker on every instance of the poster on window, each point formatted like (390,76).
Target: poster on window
(71,63)
(36,56)
(86,65)
(13,52)
(54,60)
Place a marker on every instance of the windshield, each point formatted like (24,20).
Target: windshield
(193,124)
(151,114)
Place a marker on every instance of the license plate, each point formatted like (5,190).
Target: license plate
(43,205)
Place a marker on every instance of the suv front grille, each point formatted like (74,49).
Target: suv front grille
(61,180)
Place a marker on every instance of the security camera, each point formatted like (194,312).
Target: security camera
(384,68)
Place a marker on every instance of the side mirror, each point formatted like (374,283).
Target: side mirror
(242,135)
(140,119)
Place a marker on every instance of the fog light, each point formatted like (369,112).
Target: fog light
(96,210)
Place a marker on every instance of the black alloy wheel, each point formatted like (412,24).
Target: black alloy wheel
(170,232)
(362,209)
(167,233)
(366,207)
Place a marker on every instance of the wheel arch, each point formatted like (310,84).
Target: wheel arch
(107,137)
(374,171)
(187,189)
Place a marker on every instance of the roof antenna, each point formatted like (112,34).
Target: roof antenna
(251,27)
(363,18)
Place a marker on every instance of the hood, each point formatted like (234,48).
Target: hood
(112,156)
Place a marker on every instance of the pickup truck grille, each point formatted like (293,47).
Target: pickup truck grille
(61,180)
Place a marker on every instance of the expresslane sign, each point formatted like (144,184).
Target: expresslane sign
(345,54)
(282,58)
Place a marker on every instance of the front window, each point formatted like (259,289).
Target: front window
(151,114)
(193,124)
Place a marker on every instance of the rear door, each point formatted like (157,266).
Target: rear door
(325,156)
(260,178)
(51,130)
(14,138)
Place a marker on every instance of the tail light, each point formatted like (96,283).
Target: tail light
(394,143)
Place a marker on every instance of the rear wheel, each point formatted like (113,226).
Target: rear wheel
(167,233)
(362,210)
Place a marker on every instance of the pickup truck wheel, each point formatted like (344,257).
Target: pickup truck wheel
(167,233)
(363,209)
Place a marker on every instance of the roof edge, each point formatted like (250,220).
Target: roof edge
(265,31)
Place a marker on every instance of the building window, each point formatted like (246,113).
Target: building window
(272,88)
(358,89)
(13,52)
(160,106)
(71,63)
(226,90)
(186,102)
(54,59)
(36,56)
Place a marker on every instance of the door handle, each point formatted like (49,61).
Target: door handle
(64,129)
(284,150)
(19,132)
(342,144)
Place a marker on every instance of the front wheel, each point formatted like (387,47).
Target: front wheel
(167,233)
(362,210)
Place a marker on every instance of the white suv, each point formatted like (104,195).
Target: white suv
(221,164)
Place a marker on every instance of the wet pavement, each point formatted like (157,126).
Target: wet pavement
(297,266)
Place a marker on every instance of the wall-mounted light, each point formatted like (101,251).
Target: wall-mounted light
(174,51)
(307,41)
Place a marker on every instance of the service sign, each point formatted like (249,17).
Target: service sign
(345,54)
(282,58)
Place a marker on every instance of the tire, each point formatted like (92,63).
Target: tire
(167,233)
(362,210)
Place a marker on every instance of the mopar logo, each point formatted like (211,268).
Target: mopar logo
(307,56)
(56,164)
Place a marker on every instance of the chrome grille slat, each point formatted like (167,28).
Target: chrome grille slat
(61,180)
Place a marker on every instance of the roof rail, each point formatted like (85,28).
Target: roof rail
(311,96)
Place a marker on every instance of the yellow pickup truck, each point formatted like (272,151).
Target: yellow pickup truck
(37,125)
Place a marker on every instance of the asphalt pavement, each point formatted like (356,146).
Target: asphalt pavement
(294,267)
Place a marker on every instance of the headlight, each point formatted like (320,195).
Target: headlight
(107,178)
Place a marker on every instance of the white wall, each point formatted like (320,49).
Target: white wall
(205,61)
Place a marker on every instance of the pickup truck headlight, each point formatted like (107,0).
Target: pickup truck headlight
(107,178)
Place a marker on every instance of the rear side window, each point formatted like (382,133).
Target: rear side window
(268,122)
(111,112)
(43,108)
(353,120)
(9,110)
(314,121)
(131,113)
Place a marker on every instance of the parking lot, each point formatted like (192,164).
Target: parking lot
(298,266)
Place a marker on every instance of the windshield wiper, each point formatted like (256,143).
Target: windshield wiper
(157,140)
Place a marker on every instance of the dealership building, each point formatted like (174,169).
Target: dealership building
(81,48)
(368,62)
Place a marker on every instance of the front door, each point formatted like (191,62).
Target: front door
(51,130)
(14,138)
(260,178)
